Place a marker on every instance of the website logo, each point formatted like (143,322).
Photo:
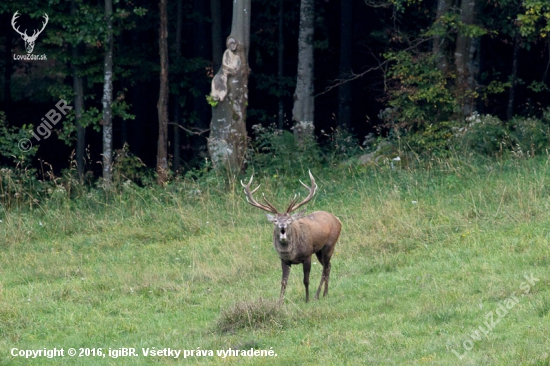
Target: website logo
(29,40)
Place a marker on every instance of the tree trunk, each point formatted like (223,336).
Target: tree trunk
(512,92)
(217,42)
(78,106)
(108,97)
(280,66)
(201,50)
(440,43)
(8,64)
(227,141)
(302,112)
(466,53)
(162,105)
(177,108)
(344,90)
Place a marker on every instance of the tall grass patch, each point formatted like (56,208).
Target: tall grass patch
(252,315)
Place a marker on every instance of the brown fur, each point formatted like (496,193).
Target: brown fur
(316,233)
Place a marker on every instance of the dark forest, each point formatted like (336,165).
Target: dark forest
(376,69)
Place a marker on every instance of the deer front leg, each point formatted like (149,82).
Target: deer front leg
(307,269)
(286,272)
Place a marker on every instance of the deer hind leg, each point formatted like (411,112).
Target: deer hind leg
(321,256)
(326,274)
(307,269)
(324,278)
(286,272)
(324,256)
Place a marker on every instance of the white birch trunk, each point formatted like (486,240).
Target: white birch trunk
(302,112)
(108,98)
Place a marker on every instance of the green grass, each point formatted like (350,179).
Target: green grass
(424,255)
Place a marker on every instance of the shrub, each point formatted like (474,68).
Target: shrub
(419,93)
(532,135)
(278,151)
(259,314)
(483,134)
(433,139)
(342,145)
(10,143)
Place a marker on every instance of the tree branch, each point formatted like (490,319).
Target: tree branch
(354,76)
(196,131)
(374,4)
(381,65)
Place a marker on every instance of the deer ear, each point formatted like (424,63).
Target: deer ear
(271,218)
(298,215)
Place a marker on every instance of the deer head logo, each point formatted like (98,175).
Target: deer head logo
(29,40)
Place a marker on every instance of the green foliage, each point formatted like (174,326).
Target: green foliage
(24,187)
(402,5)
(488,135)
(278,151)
(496,87)
(212,101)
(421,102)
(535,19)
(419,92)
(532,135)
(538,86)
(16,143)
(450,23)
(342,145)
(121,107)
(83,28)
(432,139)
(423,107)
(484,134)
(128,168)
(91,116)
(444,25)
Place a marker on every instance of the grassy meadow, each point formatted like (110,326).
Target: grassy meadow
(426,259)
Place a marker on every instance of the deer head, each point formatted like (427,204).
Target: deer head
(282,220)
(29,40)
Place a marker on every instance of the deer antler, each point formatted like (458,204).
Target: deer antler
(269,207)
(35,34)
(312,189)
(13,19)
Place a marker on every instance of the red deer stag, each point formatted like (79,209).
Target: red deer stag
(296,237)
